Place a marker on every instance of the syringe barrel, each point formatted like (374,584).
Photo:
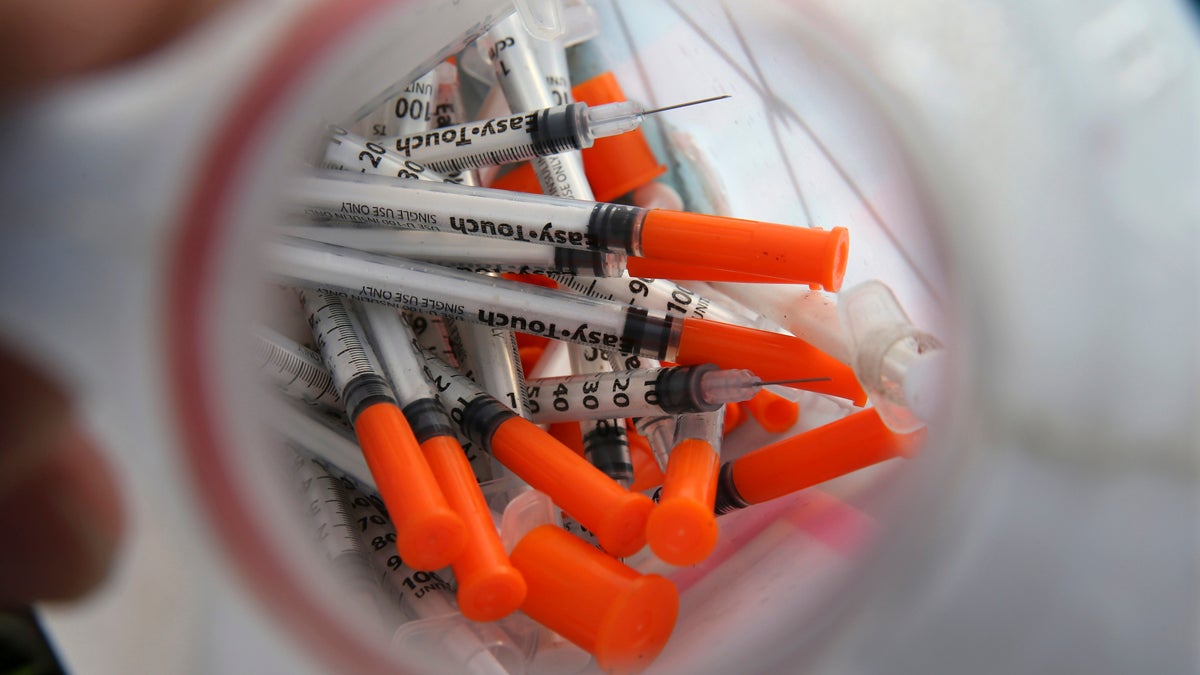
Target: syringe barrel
(394,345)
(348,151)
(657,295)
(356,371)
(605,443)
(500,140)
(296,370)
(365,199)
(704,426)
(636,393)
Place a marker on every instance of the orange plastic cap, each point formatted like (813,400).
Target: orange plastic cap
(733,417)
(621,617)
(568,433)
(772,356)
(622,532)
(530,355)
(838,448)
(682,529)
(653,268)
(489,587)
(490,593)
(429,535)
(615,515)
(803,255)
(521,178)
(773,412)
(617,164)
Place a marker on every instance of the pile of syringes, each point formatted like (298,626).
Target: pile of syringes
(504,412)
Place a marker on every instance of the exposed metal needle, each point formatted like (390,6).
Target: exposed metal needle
(809,379)
(684,105)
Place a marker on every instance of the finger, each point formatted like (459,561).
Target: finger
(59,526)
(46,40)
(60,516)
(34,415)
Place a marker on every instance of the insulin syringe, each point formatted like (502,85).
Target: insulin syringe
(424,287)
(672,390)
(504,140)
(757,249)
(498,255)
(637,393)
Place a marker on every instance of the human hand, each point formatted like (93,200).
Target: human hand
(60,512)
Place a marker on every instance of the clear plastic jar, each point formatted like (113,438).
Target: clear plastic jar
(1014,172)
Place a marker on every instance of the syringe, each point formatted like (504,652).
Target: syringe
(423,287)
(499,255)
(637,393)
(429,534)
(504,140)
(800,254)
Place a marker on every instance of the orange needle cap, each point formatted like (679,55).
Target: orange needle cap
(838,448)
(489,587)
(616,515)
(733,417)
(682,529)
(773,412)
(621,617)
(653,268)
(803,255)
(429,535)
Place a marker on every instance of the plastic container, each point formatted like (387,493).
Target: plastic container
(1027,157)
